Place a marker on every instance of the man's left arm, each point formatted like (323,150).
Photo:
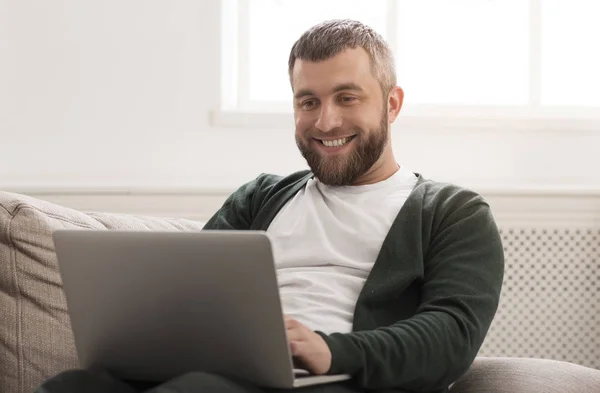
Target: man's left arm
(461,288)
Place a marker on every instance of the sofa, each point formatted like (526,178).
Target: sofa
(36,340)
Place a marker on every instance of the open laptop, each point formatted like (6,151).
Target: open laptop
(150,306)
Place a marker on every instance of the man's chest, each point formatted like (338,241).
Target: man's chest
(311,232)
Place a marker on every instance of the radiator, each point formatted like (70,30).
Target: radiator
(550,301)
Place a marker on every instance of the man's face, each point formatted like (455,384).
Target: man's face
(341,116)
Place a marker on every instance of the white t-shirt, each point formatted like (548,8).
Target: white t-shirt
(325,241)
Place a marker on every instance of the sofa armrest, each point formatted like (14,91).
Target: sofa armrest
(527,375)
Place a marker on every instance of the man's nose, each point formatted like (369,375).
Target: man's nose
(329,118)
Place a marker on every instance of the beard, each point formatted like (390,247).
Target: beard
(344,170)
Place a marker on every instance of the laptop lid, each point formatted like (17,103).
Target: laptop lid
(154,305)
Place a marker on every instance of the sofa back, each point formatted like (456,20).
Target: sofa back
(35,333)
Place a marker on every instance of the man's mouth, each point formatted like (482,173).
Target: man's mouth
(336,142)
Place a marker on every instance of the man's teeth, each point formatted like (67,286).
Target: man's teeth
(336,142)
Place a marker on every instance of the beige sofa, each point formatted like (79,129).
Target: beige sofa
(35,335)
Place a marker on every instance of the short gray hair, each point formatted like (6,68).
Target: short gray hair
(329,38)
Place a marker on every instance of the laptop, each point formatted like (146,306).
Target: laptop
(150,306)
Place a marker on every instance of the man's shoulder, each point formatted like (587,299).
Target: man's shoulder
(240,209)
(445,203)
(266,180)
(448,195)
(267,183)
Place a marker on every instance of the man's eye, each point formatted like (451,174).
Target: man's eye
(348,99)
(308,104)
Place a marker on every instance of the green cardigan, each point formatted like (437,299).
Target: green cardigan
(430,298)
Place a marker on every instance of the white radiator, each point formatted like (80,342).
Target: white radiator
(550,302)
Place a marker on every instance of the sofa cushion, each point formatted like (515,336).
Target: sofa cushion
(36,341)
(526,375)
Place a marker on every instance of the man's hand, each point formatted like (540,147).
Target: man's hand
(309,350)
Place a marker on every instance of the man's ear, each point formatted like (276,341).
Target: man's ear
(394,104)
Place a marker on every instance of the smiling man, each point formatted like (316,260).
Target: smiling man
(383,274)
(342,113)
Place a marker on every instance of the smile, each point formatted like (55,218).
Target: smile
(336,142)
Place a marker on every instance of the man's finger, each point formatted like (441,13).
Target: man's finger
(291,323)
(297,348)
(295,335)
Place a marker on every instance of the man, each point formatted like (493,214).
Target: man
(383,274)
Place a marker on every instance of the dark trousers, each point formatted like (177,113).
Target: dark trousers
(84,381)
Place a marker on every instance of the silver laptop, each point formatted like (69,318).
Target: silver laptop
(151,306)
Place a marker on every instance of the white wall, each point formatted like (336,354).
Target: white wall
(118,95)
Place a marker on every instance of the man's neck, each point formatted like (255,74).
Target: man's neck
(378,172)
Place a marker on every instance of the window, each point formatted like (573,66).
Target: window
(570,66)
(468,58)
